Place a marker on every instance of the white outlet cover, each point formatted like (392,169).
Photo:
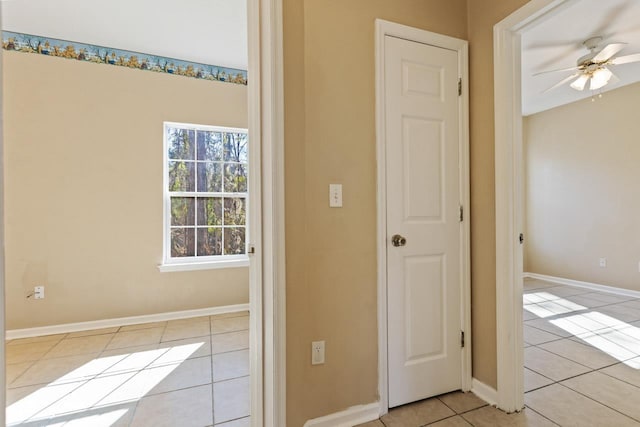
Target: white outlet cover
(317,352)
(38,292)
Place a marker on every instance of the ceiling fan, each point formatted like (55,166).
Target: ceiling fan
(593,68)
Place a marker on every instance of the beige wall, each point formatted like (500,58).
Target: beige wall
(582,170)
(482,16)
(84,190)
(330,138)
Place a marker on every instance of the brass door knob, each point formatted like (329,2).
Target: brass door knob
(398,240)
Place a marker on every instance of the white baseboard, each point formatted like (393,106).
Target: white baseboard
(349,417)
(484,392)
(586,285)
(122,321)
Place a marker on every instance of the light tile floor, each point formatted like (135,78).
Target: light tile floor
(582,367)
(189,372)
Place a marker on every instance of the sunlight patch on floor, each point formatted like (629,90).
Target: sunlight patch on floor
(610,335)
(97,385)
(545,304)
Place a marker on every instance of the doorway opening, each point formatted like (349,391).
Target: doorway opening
(551,303)
(266,274)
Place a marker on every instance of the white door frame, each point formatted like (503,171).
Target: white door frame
(509,196)
(2,299)
(267,272)
(386,28)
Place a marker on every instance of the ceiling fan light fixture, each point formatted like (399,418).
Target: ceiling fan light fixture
(600,78)
(580,82)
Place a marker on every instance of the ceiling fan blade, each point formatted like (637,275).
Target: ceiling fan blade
(608,51)
(557,71)
(625,59)
(580,82)
(614,79)
(538,45)
(561,82)
(614,17)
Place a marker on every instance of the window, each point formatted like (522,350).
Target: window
(205,187)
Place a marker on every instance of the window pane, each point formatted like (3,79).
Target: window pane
(235,147)
(209,210)
(182,211)
(235,178)
(181,176)
(209,241)
(234,241)
(235,212)
(210,177)
(183,242)
(181,143)
(209,145)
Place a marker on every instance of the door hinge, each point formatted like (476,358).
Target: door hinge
(461,217)
(462,339)
(459,86)
(521,238)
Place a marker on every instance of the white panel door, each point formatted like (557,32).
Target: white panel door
(423,201)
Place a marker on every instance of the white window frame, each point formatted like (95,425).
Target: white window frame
(170,263)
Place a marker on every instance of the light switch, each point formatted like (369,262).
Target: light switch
(335,195)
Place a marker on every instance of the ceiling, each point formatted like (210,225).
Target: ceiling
(206,31)
(556,43)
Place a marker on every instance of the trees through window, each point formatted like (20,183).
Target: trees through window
(205,193)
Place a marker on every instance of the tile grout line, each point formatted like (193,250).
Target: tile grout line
(52,347)
(615,378)
(31,363)
(563,357)
(81,383)
(575,338)
(456,412)
(542,415)
(115,363)
(445,418)
(535,345)
(230,421)
(601,403)
(575,361)
(213,397)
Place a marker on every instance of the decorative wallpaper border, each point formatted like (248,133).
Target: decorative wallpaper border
(28,43)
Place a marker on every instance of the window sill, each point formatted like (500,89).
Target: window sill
(211,265)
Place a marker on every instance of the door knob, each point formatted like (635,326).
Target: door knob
(398,240)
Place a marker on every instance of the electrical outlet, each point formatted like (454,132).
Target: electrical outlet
(38,292)
(317,352)
(603,262)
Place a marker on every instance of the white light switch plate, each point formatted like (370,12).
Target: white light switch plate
(335,195)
